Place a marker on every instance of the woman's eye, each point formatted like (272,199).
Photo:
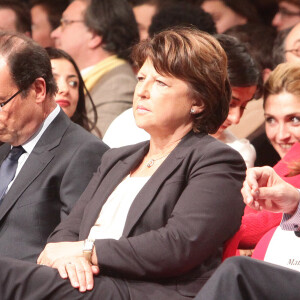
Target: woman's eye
(73,83)
(159,82)
(295,120)
(270,120)
(140,78)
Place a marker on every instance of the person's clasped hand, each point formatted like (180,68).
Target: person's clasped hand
(264,189)
(67,258)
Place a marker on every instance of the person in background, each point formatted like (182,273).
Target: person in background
(15,16)
(143,11)
(251,279)
(156,202)
(244,76)
(71,88)
(181,14)
(282,121)
(46,160)
(98,35)
(284,50)
(229,13)
(259,40)
(288,14)
(45,17)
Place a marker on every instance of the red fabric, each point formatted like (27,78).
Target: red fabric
(263,244)
(230,248)
(257,223)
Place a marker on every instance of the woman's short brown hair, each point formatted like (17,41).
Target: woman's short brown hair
(198,59)
(285,78)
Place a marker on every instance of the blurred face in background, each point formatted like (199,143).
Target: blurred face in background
(282,121)
(41,27)
(287,16)
(73,35)
(223,16)
(239,100)
(7,19)
(68,84)
(143,16)
(292,45)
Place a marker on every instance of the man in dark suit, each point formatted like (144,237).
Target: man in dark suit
(57,157)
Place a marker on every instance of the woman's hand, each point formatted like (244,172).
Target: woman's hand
(54,251)
(264,189)
(78,270)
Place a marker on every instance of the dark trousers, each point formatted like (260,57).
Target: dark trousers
(20,280)
(243,278)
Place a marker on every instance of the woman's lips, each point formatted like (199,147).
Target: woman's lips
(142,109)
(63,103)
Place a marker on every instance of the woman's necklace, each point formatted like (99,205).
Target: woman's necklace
(151,162)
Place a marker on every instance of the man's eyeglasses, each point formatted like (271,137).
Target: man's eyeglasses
(296,52)
(11,98)
(66,22)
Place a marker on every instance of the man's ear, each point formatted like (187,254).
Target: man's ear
(39,88)
(95,40)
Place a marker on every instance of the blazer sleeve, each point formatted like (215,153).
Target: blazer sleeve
(207,212)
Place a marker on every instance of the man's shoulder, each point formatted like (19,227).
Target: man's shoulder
(75,134)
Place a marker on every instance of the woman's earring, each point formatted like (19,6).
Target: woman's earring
(192,111)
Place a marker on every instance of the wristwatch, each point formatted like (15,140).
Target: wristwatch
(88,247)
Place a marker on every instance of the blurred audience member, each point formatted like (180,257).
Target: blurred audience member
(45,17)
(143,11)
(284,50)
(282,107)
(259,40)
(292,45)
(70,95)
(282,114)
(98,35)
(244,77)
(278,53)
(182,14)
(229,13)
(288,14)
(15,16)
(47,160)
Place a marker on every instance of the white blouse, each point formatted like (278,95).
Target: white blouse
(112,217)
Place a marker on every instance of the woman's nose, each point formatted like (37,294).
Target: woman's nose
(62,86)
(283,132)
(143,90)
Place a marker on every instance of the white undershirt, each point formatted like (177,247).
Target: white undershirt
(32,141)
(112,217)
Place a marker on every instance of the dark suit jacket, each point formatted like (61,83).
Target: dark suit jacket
(48,185)
(177,224)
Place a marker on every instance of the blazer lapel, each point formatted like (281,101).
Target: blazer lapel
(37,161)
(107,184)
(150,189)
